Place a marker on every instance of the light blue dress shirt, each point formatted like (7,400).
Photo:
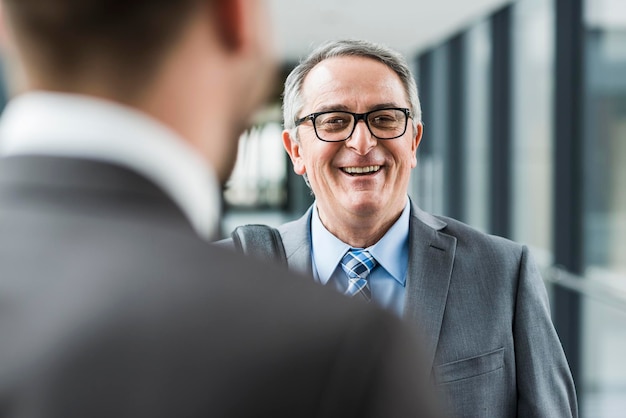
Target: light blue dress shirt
(387,280)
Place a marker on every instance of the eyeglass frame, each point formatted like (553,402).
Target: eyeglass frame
(357,117)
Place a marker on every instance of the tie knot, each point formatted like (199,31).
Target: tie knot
(358,264)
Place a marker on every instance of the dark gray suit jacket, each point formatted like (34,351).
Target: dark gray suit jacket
(111,306)
(483,307)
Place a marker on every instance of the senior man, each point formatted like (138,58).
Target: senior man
(352,128)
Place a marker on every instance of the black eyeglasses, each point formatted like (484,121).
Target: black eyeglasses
(337,126)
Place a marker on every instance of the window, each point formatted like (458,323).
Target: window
(476,137)
(532,128)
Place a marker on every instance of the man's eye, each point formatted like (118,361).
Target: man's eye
(384,121)
(385,118)
(336,121)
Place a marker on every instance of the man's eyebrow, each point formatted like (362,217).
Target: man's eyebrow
(331,107)
(385,106)
(344,108)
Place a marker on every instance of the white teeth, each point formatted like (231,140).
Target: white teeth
(361,170)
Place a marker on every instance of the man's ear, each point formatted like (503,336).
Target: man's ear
(293,149)
(230,20)
(415,143)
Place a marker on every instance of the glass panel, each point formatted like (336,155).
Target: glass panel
(605,144)
(259,177)
(429,178)
(257,189)
(477,81)
(437,132)
(603,389)
(532,152)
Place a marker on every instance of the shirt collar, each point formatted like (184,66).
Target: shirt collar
(87,127)
(391,251)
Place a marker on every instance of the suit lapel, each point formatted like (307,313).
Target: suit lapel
(430,267)
(296,237)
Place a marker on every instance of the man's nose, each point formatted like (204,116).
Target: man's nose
(362,141)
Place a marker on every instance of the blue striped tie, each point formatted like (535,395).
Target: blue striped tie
(358,264)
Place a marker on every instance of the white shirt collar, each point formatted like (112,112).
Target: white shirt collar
(88,127)
(391,251)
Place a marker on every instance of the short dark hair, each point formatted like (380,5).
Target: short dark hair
(65,38)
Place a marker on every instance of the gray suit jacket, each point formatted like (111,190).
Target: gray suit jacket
(111,306)
(483,308)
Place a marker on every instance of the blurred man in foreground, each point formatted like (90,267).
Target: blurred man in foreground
(113,304)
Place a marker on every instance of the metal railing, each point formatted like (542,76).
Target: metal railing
(594,289)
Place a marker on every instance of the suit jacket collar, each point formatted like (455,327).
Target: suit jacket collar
(32,179)
(39,172)
(431,257)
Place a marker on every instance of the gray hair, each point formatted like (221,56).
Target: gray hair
(292,96)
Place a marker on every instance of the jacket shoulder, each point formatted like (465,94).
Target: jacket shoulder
(460,230)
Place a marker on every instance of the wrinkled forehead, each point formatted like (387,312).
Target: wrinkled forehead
(351,83)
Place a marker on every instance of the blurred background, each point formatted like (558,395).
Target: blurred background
(524,107)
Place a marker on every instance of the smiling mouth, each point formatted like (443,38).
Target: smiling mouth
(361,170)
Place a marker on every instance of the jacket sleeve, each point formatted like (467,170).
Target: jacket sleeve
(544,382)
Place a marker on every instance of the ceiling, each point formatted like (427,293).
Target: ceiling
(406,25)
